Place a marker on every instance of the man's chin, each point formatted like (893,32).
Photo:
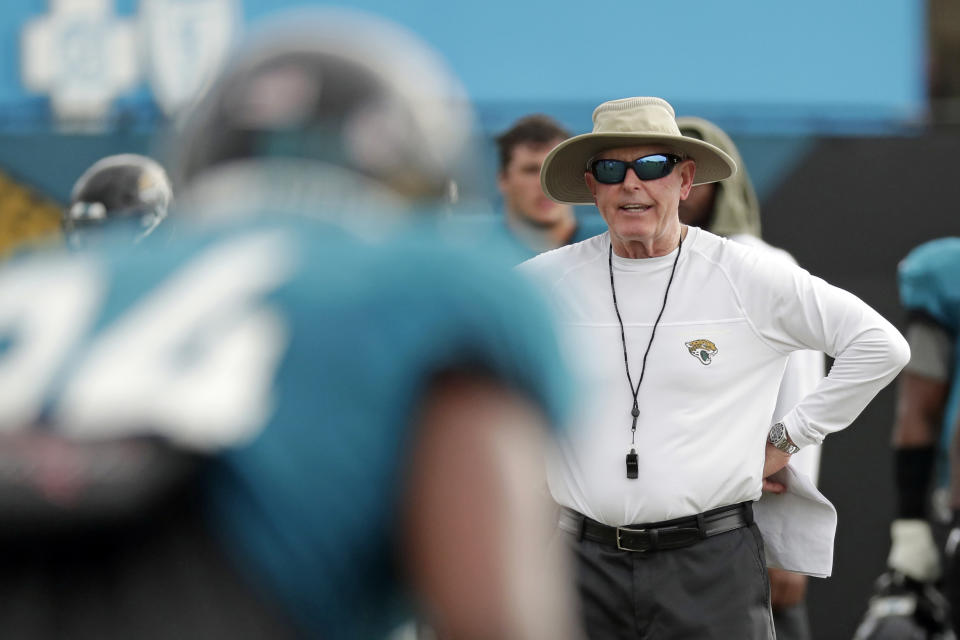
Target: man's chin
(634,232)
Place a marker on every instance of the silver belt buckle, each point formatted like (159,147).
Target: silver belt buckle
(623,548)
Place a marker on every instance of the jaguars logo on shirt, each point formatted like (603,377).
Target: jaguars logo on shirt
(703,350)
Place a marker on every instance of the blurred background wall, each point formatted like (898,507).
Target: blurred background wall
(845,113)
(123,67)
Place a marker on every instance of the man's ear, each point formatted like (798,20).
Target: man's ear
(688,169)
(591,184)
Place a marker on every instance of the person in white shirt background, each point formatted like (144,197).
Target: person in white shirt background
(731,209)
(681,339)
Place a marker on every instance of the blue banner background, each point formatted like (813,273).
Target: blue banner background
(756,65)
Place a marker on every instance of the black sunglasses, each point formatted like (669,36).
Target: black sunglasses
(652,167)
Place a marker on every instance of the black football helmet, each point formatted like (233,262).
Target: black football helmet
(326,105)
(127,189)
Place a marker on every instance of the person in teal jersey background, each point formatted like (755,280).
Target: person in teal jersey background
(536,222)
(927,474)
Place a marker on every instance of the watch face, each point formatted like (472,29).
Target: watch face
(776,433)
(778,438)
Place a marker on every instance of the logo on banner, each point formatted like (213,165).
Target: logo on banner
(186,43)
(82,56)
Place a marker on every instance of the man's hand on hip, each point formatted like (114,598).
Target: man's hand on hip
(774,460)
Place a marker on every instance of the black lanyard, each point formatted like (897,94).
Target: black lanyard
(632,463)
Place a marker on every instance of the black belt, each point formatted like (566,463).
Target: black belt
(669,534)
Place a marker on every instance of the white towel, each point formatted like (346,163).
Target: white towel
(798,526)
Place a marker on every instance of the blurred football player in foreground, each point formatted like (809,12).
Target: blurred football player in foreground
(126,193)
(278,426)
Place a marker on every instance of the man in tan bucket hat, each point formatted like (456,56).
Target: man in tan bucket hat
(680,339)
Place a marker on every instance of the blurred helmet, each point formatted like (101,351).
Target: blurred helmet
(124,189)
(340,104)
(904,609)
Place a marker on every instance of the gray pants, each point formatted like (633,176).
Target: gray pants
(717,588)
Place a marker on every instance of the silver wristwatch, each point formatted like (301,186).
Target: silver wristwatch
(779,438)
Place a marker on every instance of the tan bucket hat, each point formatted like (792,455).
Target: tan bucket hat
(627,122)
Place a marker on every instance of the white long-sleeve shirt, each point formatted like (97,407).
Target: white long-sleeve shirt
(703,422)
